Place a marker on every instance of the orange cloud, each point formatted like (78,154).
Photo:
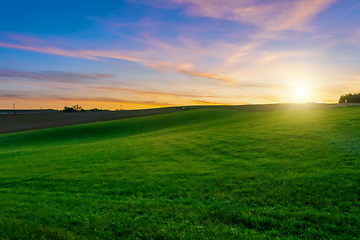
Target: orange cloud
(207,103)
(207,75)
(44,101)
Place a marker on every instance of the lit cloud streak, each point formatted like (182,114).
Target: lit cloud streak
(274,15)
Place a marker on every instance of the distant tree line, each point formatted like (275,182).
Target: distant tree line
(98,110)
(77,108)
(350,98)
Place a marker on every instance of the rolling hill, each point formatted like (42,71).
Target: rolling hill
(196,174)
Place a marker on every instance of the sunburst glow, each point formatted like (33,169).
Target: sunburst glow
(301,94)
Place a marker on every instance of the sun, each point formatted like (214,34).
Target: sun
(301,93)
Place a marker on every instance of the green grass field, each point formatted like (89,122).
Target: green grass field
(196,174)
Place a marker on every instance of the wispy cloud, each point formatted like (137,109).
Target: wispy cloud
(207,75)
(89,82)
(83,53)
(51,76)
(50,50)
(187,69)
(272,56)
(272,15)
(145,59)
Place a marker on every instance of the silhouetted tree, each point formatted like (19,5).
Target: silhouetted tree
(350,98)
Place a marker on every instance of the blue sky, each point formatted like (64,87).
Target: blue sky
(145,54)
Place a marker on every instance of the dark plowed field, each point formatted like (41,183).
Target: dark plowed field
(23,122)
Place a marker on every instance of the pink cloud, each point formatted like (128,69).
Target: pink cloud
(24,39)
(50,50)
(271,15)
(86,54)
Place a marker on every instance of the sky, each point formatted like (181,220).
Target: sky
(135,54)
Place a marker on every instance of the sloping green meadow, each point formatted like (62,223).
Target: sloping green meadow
(197,174)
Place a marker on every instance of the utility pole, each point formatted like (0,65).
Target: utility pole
(14,106)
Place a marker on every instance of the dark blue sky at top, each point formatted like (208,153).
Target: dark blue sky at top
(53,16)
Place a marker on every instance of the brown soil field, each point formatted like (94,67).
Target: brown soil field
(24,122)
(10,123)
